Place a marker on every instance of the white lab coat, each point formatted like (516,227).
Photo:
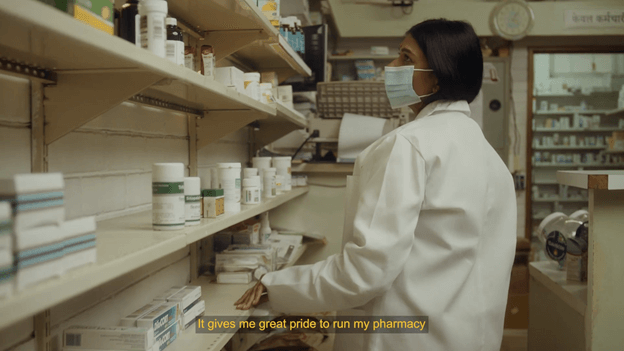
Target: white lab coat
(431,213)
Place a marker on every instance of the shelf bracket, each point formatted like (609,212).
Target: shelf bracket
(27,71)
(225,43)
(79,98)
(272,131)
(212,127)
(38,149)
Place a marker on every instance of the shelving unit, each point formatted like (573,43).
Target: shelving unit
(273,128)
(141,245)
(602,104)
(569,148)
(575,130)
(614,151)
(115,70)
(566,165)
(262,57)
(585,316)
(243,30)
(561,200)
(617,112)
(588,112)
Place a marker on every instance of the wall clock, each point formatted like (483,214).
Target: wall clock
(512,19)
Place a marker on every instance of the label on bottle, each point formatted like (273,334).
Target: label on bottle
(556,245)
(143,31)
(137,30)
(208,60)
(189,61)
(172,51)
(168,204)
(160,32)
(208,65)
(193,208)
(180,59)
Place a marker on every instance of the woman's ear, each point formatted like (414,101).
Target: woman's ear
(436,87)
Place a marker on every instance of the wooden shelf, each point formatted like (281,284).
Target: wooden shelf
(569,148)
(588,112)
(575,130)
(606,180)
(572,293)
(123,245)
(362,57)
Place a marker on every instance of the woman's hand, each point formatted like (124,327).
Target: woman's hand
(252,297)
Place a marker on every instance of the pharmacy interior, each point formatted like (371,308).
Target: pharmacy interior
(158,157)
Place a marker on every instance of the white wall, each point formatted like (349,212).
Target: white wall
(107,169)
(364,20)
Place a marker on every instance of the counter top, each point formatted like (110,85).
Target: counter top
(572,293)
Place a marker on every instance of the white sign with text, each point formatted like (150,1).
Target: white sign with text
(594,18)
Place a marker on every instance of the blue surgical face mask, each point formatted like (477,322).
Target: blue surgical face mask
(399,86)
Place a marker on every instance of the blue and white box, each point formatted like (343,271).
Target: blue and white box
(167,337)
(37,199)
(161,318)
(38,255)
(79,247)
(108,338)
(185,297)
(7,269)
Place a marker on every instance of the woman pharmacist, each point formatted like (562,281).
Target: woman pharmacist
(431,212)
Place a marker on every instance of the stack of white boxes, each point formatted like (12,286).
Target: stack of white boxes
(188,300)
(6,251)
(43,244)
(165,317)
(78,338)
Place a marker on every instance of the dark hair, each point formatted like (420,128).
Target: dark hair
(454,53)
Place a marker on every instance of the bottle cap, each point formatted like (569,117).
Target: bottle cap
(170,21)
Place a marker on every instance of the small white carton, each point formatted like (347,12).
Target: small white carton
(165,296)
(38,199)
(161,318)
(108,338)
(79,247)
(39,255)
(168,336)
(131,319)
(194,311)
(185,297)
(231,77)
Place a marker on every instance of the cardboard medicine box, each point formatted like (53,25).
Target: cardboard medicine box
(108,338)
(96,13)
(167,337)
(161,318)
(214,202)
